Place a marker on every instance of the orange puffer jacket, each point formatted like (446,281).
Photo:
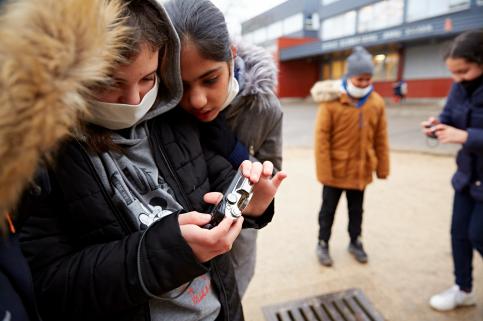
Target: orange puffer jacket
(351,143)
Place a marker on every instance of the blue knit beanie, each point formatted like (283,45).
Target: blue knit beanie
(359,62)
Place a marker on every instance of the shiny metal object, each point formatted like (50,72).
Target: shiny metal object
(234,201)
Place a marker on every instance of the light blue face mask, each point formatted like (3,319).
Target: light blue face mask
(119,116)
(233,87)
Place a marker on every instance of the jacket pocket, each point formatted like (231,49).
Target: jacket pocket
(339,160)
(460,180)
(371,155)
(476,191)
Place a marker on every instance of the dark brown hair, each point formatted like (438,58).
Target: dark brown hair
(147,27)
(468,46)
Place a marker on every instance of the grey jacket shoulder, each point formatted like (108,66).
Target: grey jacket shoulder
(255,114)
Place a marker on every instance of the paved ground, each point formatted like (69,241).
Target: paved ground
(406,229)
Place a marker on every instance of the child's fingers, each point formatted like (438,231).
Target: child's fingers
(195,218)
(212,197)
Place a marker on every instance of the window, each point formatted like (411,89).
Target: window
(325,71)
(326,2)
(422,9)
(293,24)
(385,66)
(338,68)
(248,37)
(259,35)
(339,26)
(275,30)
(380,15)
(312,22)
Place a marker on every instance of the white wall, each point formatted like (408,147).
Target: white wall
(425,62)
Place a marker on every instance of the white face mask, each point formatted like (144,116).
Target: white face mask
(120,116)
(357,92)
(233,87)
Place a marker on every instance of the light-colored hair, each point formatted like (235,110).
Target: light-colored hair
(51,53)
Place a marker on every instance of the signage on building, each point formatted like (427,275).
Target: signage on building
(434,27)
(371,38)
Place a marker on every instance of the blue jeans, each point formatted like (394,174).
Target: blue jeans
(466,235)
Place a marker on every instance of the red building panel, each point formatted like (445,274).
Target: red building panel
(420,88)
(296,77)
(286,42)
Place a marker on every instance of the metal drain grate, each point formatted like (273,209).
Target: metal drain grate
(349,305)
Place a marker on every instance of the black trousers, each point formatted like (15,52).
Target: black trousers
(330,199)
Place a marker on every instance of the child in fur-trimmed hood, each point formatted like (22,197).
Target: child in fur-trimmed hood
(351,144)
(51,53)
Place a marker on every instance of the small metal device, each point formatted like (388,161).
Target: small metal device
(234,201)
(433,131)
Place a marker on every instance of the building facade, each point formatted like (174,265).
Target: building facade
(407,39)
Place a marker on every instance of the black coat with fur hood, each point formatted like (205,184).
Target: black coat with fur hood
(45,60)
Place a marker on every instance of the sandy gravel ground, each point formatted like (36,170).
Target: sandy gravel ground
(405,232)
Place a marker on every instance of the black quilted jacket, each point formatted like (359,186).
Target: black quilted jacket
(87,257)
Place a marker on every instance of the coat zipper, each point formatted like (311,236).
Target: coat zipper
(190,206)
(222,290)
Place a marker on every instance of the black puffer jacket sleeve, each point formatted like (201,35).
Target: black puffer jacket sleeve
(95,275)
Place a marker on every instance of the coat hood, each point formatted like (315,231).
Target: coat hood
(171,86)
(327,90)
(258,80)
(260,71)
(51,53)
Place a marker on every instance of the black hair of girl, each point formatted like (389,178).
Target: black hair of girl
(202,23)
(468,46)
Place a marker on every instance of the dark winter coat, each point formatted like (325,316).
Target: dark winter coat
(90,262)
(17,300)
(465,111)
(46,60)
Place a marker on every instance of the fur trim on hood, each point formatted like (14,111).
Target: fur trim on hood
(260,74)
(327,90)
(51,53)
(259,81)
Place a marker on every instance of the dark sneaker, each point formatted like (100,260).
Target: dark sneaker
(323,253)
(356,249)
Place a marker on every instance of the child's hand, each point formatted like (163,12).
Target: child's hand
(265,186)
(209,243)
(450,135)
(428,127)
